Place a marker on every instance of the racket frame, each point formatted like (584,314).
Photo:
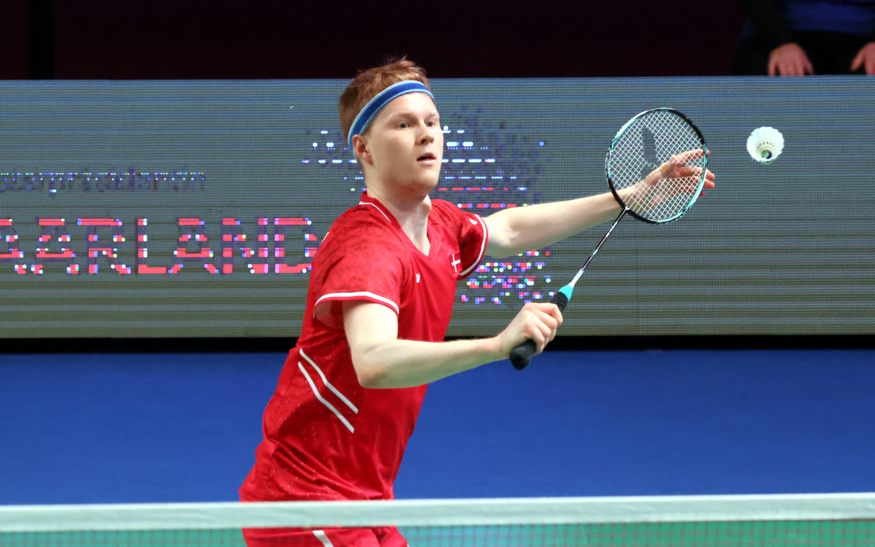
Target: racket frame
(610,179)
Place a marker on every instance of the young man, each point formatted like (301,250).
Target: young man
(379,303)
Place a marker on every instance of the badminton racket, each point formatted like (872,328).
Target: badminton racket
(655,167)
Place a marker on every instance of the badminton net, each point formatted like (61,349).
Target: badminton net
(750,520)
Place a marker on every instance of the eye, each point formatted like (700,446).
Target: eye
(403,125)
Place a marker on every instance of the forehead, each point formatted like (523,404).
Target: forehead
(416,103)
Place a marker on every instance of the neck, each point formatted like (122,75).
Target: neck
(410,212)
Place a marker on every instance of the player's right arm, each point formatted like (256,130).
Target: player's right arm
(382,360)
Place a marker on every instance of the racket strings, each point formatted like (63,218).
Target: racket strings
(653,192)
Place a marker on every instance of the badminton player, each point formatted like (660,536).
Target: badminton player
(379,302)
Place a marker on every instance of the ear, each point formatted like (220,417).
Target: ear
(361,150)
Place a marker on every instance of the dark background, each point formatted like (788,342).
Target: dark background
(200,39)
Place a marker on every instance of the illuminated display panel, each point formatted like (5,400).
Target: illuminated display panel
(194,209)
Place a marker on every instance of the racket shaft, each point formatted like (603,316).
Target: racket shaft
(522,354)
(602,242)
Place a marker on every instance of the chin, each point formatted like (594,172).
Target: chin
(431,183)
(423,188)
(417,184)
(425,181)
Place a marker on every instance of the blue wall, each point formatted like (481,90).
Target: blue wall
(183,427)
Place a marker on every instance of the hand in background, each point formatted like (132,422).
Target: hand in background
(865,59)
(789,60)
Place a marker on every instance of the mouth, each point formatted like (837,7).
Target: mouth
(426,157)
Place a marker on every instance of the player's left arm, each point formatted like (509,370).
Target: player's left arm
(516,230)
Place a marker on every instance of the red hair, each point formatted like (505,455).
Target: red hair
(368,83)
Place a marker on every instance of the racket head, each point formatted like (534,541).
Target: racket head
(645,158)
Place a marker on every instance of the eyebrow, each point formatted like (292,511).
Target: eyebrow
(411,113)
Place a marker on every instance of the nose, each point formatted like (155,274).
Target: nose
(426,135)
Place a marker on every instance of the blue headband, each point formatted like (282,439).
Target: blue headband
(369,112)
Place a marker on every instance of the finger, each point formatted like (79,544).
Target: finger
(544,307)
(538,332)
(857,62)
(684,172)
(543,314)
(782,69)
(556,314)
(798,66)
(870,66)
(547,323)
(710,176)
(692,173)
(803,66)
(537,337)
(773,66)
(710,179)
(552,329)
(686,156)
(697,172)
(691,189)
(550,316)
(547,335)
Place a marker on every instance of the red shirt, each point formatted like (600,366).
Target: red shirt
(325,436)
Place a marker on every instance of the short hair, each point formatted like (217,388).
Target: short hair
(368,83)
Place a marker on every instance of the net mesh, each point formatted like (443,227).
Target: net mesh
(728,534)
(813,520)
(656,164)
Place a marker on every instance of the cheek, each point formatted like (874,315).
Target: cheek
(385,152)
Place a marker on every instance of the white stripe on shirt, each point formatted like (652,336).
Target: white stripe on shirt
(328,405)
(327,383)
(353,295)
(323,538)
(377,207)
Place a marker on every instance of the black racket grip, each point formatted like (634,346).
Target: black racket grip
(522,354)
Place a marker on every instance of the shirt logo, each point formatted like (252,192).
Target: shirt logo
(417,277)
(455,262)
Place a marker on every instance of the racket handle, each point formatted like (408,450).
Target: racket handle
(522,354)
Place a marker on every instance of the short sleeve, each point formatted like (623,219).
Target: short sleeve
(358,263)
(473,237)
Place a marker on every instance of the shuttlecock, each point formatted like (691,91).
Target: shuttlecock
(765,144)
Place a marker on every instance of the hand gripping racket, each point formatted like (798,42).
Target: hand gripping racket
(656,167)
